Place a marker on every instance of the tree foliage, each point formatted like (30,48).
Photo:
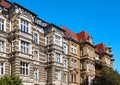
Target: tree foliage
(10,80)
(107,76)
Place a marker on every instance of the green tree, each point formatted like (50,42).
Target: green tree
(107,76)
(10,80)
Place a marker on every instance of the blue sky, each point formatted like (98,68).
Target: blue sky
(100,18)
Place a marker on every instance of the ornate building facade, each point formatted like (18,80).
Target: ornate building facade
(45,54)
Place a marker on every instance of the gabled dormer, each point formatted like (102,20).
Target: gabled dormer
(82,36)
(101,48)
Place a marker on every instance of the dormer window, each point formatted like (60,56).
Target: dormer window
(101,50)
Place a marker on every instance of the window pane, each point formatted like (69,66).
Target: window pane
(1,24)
(24,26)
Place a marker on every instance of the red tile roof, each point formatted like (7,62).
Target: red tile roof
(82,36)
(5,3)
(69,34)
(101,48)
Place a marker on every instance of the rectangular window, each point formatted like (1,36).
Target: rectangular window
(82,80)
(57,74)
(57,57)
(65,63)
(46,75)
(36,38)
(57,40)
(65,49)
(1,46)
(1,24)
(73,77)
(36,55)
(82,65)
(24,68)
(73,50)
(73,63)
(65,78)
(101,50)
(1,68)
(25,47)
(47,40)
(24,26)
(35,73)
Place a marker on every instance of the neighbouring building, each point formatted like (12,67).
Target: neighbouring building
(45,54)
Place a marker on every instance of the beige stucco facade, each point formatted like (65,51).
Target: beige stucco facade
(41,54)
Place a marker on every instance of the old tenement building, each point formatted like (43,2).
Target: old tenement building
(45,54)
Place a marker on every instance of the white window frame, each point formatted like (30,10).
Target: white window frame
(2,67)
(57,41)
(2,26)
(74,49)
(46,40)
(4,23)
(25,66)
(36,56)
(82,65)
(2,46)
(65,78)
(25,47)
(24,26)
(65,48)
(57,74)
(65,63)
(73,77)
(74,63)
(57,57)
(36,38)
(36,73)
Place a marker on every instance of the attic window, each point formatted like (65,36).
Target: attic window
(81,40)
(101,50)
